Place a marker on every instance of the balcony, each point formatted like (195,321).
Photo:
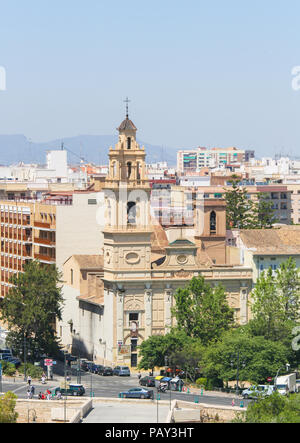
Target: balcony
(45,258)
(44,241)
(42,225)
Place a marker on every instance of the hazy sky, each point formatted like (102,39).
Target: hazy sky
(214,73)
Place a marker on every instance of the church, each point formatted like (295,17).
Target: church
(117,299)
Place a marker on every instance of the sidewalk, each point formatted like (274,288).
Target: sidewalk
(197,391)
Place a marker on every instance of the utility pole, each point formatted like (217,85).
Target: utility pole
(66,391)
(25,352)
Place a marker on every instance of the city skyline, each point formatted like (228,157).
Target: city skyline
(194,74)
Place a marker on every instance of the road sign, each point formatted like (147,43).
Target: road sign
(269,379)
(48,362)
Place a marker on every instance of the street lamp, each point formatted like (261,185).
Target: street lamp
(287,366)
(237,356)
(66,391)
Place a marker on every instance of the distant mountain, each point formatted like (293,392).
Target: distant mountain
(92,148)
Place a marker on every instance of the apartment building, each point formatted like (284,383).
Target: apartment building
(176,206)
(195,160)
(49,230)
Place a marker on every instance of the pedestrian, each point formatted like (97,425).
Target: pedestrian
(28,394)
(139,375)
(43,379)
(40,396)
(48,392)
(32,390)
(29,380)
(233,403)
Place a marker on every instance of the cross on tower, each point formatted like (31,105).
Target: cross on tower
(127,101)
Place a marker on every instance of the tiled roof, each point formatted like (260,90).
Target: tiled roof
(89,261)
(127,124)
(279,241)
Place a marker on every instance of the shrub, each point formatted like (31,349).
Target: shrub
(8,368)
(201,382)
(33,371)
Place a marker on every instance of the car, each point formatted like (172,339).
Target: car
(107,371)
(137,393)
(122,371)
(90,366)
(98,369)
(256,391)
(147,381)
(72,390)
(86,365)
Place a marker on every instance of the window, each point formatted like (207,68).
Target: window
(133,316)
(129,168)
(213,222)
(128,143)
(72,277)
(131,213)
(134,342)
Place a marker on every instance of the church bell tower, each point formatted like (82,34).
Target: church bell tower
(127,232)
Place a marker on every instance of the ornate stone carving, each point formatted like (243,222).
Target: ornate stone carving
(183,274)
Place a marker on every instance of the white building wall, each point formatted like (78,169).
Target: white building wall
(77,228)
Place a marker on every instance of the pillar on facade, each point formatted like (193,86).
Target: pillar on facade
(148,312)
(243,304)
(168,298)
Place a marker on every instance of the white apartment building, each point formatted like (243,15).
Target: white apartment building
(197,159)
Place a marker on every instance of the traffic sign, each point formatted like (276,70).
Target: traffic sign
(269,379)
(48,362)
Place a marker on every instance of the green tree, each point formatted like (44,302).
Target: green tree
(202,311)
(273,409)
(30,309)
(7,408)
(239,207)
(263,212)
(276,302)
(258,358)
(152,352)
(287,282)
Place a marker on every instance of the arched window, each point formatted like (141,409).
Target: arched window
(131,213)
(128,143)
(138,171)
(129,168)
(114,169)
(213,222)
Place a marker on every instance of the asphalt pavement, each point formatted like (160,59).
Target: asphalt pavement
(110,387)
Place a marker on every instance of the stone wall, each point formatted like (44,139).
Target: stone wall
(185,412)
(42,409)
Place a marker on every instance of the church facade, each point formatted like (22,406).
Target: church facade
(129,293)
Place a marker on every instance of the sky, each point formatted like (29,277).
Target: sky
(197,73)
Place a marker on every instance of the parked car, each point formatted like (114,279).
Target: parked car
(90,366)
(97,369)
(107,371)
(122,371)
(137,393)
(74,390)
(256,391)
(86,365)
(147,381)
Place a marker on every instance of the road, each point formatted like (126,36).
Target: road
(110,387)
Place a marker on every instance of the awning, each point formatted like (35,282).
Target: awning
(167,379)
(159,377)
